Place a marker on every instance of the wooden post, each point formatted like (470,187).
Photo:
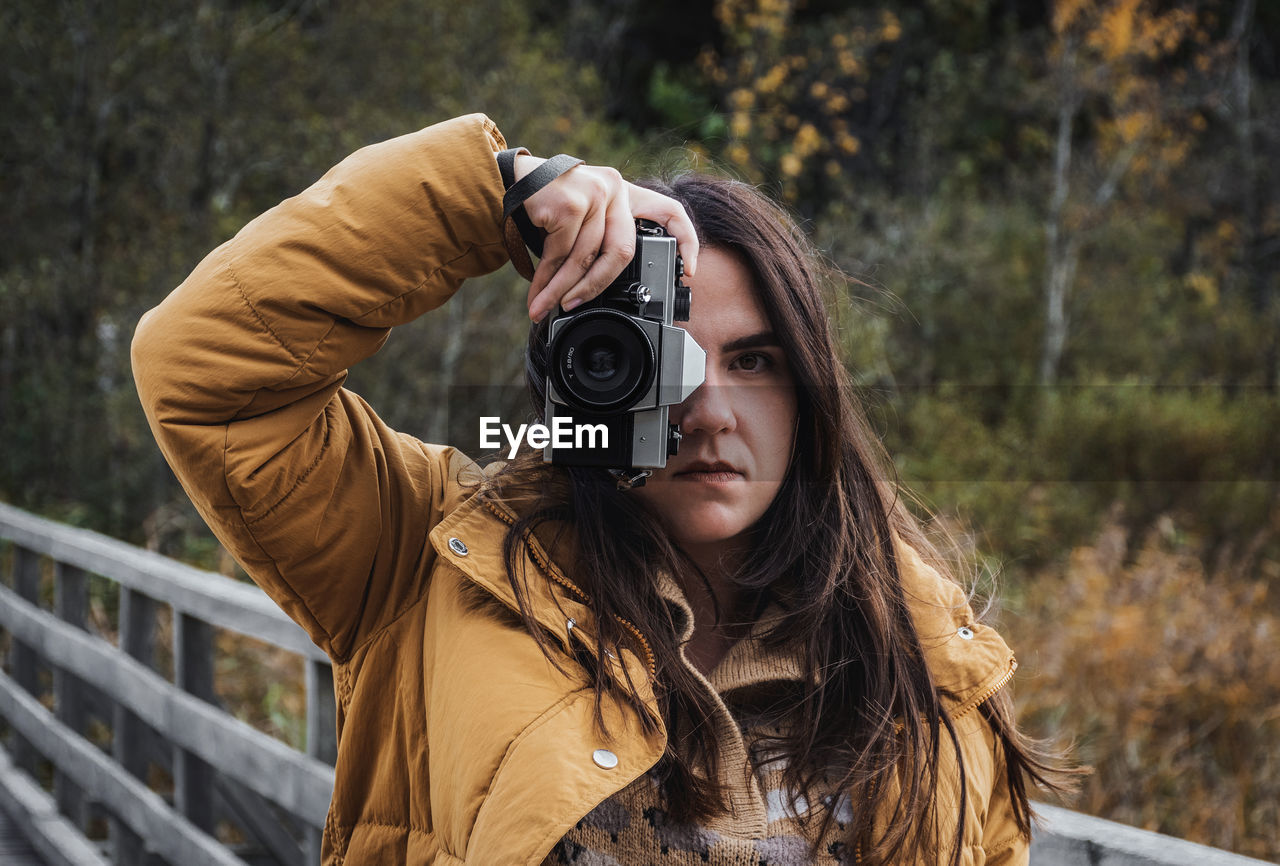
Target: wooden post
(137,639)
(193,673)
(70,602)
(322,735)
(322,716)
(24,660)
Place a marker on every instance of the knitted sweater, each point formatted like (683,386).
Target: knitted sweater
(763,826)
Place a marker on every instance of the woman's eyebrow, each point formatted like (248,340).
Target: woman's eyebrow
(764,339)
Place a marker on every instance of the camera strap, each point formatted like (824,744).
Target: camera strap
(519,235)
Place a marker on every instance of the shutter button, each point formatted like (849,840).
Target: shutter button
(456,545)
(605,759)
(965,632)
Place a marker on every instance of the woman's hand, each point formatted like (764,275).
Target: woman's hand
(589,216)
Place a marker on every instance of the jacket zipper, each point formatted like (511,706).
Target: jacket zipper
(553,573)
(990,691)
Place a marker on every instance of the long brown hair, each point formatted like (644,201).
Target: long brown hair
(870,718)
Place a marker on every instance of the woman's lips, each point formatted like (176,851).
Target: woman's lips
(709,473)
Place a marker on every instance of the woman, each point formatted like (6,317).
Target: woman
(745,660)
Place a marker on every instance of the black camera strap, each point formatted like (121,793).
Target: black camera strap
(519,234)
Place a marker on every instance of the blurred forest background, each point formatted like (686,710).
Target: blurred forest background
(1063,218)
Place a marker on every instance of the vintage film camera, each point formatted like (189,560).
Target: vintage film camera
(617,363)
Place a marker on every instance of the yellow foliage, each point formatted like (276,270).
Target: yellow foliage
(738,154)
(1205,286)
(1114,35)
(1066,12)
(1169,678)
(1174,150)
(849,63)
(890,26)
(763,17)
(1133,125)
(791,165)
(1122,30)
(807,141)
(772,80)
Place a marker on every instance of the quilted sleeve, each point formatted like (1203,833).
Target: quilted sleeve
(240,373)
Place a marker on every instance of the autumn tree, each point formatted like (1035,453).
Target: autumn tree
(1127,83)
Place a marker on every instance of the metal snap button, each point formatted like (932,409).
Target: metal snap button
(965,632)
(456,545)
(605,759)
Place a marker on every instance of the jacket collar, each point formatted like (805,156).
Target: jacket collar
(472,539)
(969,661)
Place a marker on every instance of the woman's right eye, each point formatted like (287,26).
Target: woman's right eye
(752,362)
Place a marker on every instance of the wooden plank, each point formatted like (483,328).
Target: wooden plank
(70,604)
(137,625)
(193,673)
(70,594)
(213,598)
(126,846)
(143,810)
(301,785)
(1063,837)
(15,850)
(129,735)
(322,713)
(137,640)
(52,836)
(314,844)
(256,815)
(193,657)
(23,659)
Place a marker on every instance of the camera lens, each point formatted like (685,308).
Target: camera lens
(602,361)
(599,359)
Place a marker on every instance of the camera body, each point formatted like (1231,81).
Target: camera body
(617,363)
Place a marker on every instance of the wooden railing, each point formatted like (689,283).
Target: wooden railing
(108,760)
(224,773)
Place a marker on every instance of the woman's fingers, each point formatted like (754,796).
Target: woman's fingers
(557,245)
(589,216)
(671,215)
(617,248)
(574,210)
(568,255)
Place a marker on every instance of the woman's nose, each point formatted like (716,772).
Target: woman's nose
(709,409)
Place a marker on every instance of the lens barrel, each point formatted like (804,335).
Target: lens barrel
(602,361)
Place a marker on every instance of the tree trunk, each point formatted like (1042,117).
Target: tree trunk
(1060,253)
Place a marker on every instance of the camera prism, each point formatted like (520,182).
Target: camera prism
(618,362)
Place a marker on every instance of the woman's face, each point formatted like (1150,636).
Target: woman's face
(738,426)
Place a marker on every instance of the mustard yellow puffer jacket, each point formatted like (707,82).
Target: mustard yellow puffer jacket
(458,741)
